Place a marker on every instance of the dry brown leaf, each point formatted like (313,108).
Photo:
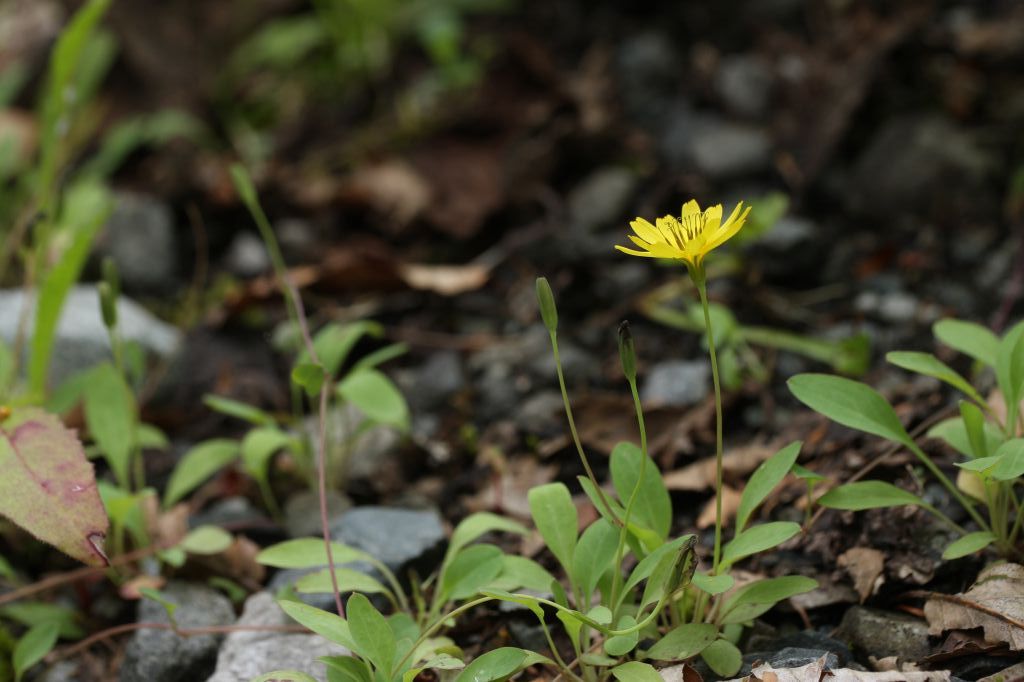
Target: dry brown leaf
(467,184)
(448,280)
(393,188)
(818,672)
(736,463)
(730,505)
(681,673)
(508,493)
(995,603)
(133,588)
(865,565)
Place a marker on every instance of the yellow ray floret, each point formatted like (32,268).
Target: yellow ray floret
(689,237)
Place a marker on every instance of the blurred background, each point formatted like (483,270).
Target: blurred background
(422,162)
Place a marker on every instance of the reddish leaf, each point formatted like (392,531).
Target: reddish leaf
(48,486)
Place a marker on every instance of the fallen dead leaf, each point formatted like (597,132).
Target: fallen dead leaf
(865,565)
(817,671)
(730,505)
(681,673)
(995,603)
(132,589)
(467,184)
(737,462)
(392,188)
(448,280)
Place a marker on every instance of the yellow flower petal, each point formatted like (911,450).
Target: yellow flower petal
(646,231)
(712,218)
(631,252)
(660,250)
(689,207)
(728,231)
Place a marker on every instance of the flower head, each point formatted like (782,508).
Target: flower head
(689,237)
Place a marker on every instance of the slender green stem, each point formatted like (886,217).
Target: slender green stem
(434,627)
(620,550)
(699,280)
(937,473)
(575,434)
(554,652)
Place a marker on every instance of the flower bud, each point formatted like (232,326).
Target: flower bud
(627,351)
(111,276)
(546,300)
(108,305)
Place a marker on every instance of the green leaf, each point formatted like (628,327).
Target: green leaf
(649,563)
(476,525)
(206,540)
(334,342)
(757,539)
(349,580)
(981,465)
(1011,460)
(87,208)
(620,645)
(594,554)
(31,613)
(756,598)
(32,646)
(238,410)
(805,474)
(850,403)
(648,538)
(713,584)
(929,365)
(330,626)
(440,662)
(1010,369)
(723,657)
(954,432)
(111,416)
(652,507)
(519,572)
(346,669)
(285,676)
(309,377)
(968,544)
(380,356)
(862,495)
(307,553)
(150,437)
(635,671)
(764,479)
(683,642)
(494,666)
(259,445)
(974,426)
(969,338)
(374,638)
(376,396)
(471,569)
(198,464)
(555,517)
(48,487)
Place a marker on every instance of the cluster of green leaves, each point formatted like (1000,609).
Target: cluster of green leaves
(401,645)
(988,438)
(342,47)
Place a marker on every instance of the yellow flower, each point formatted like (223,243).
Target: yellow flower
(689,237)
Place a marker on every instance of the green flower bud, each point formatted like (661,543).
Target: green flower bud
(111,276)
(546,299)
(108,305)
(627,352)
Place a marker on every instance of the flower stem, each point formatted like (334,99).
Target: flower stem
(620,550)
(575,435)
(700,281)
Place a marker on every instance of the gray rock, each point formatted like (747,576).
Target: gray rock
(399,538)
(62,671)
(918,162)
(302,512)
(437,380)
(648,68)
(716,147)
(140,237)
(601,198)
(541,413)
(744,82)
(162,655)
(676,383)
(882,633)
(81,339)
(244,655)
(247,256)
(894,307)
(373,455)
(793,245)
(788,657)
(297,238)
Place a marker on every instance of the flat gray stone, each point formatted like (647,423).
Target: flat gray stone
(245,655)
(677,383)
(139,236)
(81,339)
(162,655)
